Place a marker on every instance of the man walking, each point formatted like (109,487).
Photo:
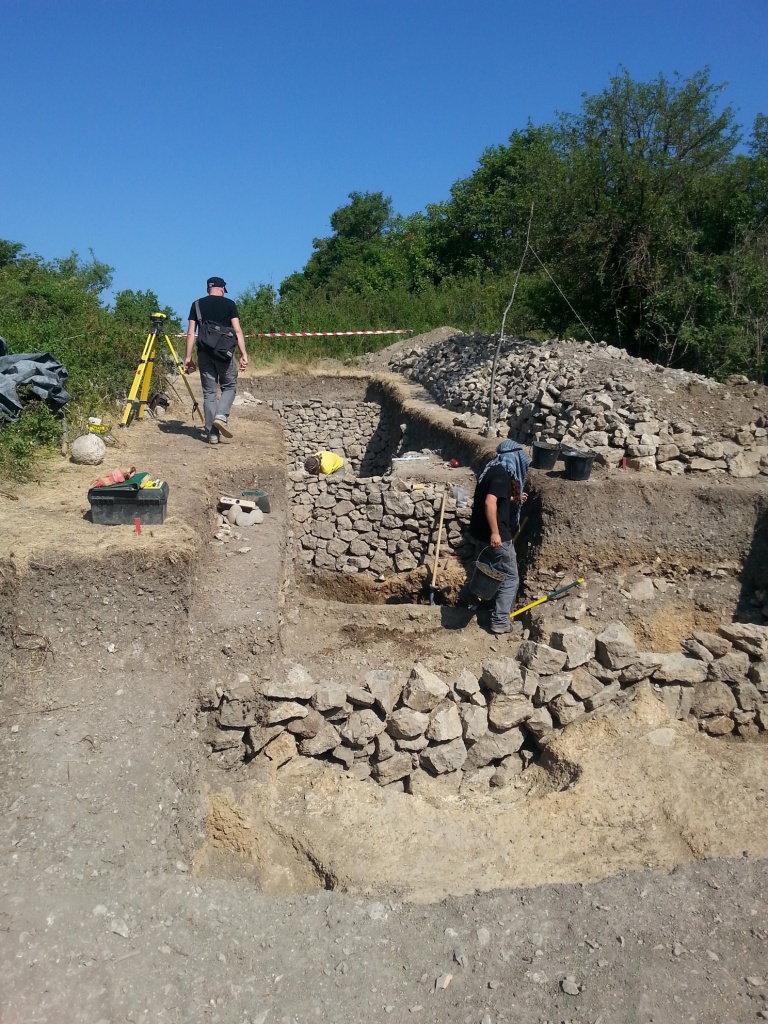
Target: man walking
(495,519)
(218,334)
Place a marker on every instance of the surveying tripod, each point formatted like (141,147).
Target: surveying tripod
(139,393)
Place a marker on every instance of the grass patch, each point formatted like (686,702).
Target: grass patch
(35,436)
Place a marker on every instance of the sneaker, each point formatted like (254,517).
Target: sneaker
(501,630)
(212,438)
(222,427)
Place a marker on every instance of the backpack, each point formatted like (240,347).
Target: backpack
(216,340)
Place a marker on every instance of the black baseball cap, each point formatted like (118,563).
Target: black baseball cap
(216,282)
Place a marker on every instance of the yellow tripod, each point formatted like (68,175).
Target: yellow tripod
(139,393)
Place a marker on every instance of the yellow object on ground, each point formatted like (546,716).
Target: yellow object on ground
(329,462)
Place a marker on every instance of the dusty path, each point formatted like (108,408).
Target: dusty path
(125,895)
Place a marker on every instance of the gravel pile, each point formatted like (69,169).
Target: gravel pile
(587,396)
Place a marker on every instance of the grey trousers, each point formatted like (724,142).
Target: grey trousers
(215,374)
(502,559)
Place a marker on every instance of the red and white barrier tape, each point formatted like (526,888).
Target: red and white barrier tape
(320,334)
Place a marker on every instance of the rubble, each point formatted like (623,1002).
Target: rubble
(585,396)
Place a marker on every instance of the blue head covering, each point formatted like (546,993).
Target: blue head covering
(511,457)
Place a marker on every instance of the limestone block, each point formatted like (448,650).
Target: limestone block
(680,669)
(597,700)
(414,745)
(566,708)
(385,687)
(281,749)
(540,723)
(467,684)
(731,668)
(474,721)
(578,644)
(385,746)
(712,698)
(406,724)
(718,725)
(295,684)
(307,727)
(643,464)
(584,684)
(673,467)
(284,710)
(258,736)
(716,645)
(493,747)
(615,646)
(541,658)
(327,738)
(501,675)
(750,638)
(505,711)
(361,727)
(758,674)
(399,766)
(741,467)
(424,690)
(444,723)
(329,697)
(551,686)
(444,757)
(747,696)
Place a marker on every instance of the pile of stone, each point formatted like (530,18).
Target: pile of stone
(390,729)
(585,396)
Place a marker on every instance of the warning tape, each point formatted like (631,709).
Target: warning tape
(316,334)
(321,334)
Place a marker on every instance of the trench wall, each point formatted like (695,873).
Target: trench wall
(359,521)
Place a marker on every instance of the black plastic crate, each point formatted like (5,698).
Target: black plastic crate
(121,506)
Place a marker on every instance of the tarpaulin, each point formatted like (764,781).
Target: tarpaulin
(39,374)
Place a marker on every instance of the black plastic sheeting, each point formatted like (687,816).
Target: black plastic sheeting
(39,374)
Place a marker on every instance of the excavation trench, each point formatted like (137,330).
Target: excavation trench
(146,640)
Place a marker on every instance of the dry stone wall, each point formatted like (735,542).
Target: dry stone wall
(358,520)
(586,396)
(489,725)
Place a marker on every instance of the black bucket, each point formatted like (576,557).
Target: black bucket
(545,455)
(578,465)
(485,581)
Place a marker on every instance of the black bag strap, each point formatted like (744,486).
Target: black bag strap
(199,316)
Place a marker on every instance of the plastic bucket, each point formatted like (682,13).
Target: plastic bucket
(545,455)
(578,465)
(485,581)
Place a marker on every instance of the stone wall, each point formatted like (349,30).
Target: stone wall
(358,520)
(489,725)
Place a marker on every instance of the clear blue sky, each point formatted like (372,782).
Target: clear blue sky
(178,139)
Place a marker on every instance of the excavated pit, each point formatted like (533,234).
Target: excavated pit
(175,620)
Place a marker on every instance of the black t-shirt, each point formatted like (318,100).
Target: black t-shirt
(217,308)
(498,482)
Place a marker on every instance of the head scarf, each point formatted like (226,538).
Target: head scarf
(511,457)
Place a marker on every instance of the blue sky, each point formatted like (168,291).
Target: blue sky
(178,139)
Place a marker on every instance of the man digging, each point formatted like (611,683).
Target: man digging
(499,496)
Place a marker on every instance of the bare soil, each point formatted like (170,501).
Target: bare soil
(144,881)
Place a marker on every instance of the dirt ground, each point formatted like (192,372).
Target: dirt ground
(142,881)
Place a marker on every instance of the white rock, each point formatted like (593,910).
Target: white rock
(87,450)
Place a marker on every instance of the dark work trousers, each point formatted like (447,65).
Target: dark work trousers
(502,559)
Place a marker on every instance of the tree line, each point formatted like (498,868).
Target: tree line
(649,221)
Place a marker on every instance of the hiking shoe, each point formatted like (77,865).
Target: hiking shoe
(223,429)
(501,630)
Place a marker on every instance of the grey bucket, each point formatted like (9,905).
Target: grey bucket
(485,581)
